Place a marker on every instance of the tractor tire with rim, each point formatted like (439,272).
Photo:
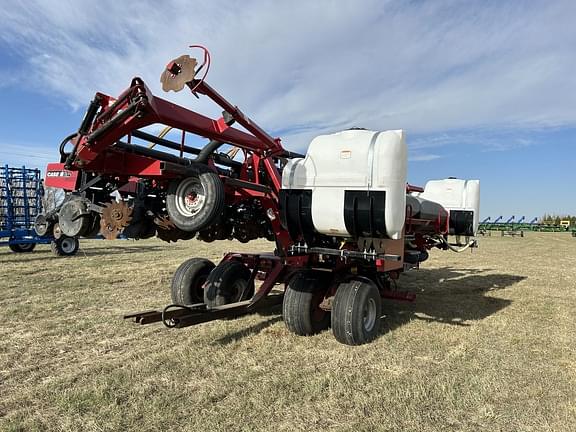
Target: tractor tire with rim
(22,247)
(65,246)
(228,283)
(188,281)
(194,203)
(356,312)
(300,308)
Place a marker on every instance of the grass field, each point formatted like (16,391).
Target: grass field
(487,346)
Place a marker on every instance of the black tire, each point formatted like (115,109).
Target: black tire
(22,247)
(356,312)
(302,297)
(188,281)
(194,203)
(228,283)
(65,246)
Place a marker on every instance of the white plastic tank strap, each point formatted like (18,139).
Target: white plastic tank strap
(292,174)
(371,157)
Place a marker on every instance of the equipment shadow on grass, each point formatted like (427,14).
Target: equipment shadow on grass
(106,250)
(445,295)
(449,296)
(250,331)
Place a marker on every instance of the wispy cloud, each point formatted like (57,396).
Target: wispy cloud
(497,139)
(302,67)
(423,157)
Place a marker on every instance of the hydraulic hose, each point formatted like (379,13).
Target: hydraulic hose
(63,154)
(468,245)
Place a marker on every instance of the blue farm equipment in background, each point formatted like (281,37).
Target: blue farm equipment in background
(21,194)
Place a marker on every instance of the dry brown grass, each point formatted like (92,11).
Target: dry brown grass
(488,345)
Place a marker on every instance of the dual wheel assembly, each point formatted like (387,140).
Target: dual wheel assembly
(198,280)
(354,315)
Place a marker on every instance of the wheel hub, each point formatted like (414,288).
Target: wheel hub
(68,245)
(190,197)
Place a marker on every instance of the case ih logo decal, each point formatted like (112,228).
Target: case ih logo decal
(59,177)
(59,174)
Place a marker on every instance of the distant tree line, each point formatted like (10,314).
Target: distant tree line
(553,219)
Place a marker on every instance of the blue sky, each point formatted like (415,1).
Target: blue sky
(484,89)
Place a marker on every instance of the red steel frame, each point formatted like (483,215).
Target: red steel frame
(137,107)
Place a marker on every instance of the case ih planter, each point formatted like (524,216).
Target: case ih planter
(344,222)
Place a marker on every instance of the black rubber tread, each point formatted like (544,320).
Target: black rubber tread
(22,247)
(219,289)
(56,246)
(213,207)
(347,312)
(303,294)
(189,275)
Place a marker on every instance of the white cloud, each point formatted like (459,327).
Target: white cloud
(423,157)
(489,140)
(305,68)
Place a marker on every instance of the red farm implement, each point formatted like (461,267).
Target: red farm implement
(343,220)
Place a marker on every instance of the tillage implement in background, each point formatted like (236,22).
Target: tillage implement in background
(21,205)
